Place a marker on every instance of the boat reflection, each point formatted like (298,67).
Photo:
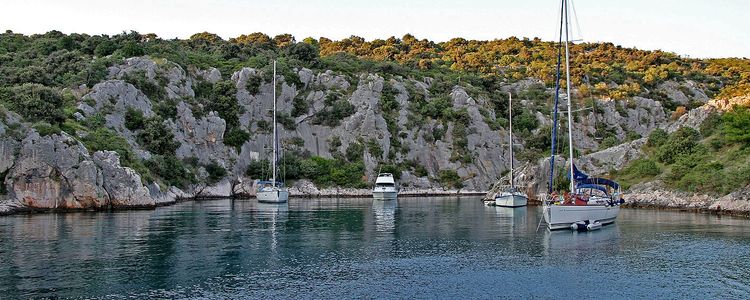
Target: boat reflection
(575,244)
(385,215)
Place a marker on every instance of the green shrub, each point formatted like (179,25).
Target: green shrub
(45,129)
(259,169)
(253,84)
(299,106)
(216,172)
(134,119)
(103,139)
(680,142)
(157,138)
(657,138)
(374,148)
(643,168)
(334,112)
(449,179)
(153,91)
(354,152)
(286,120)
(34,102)
(172,170)
(224,102)
(608,142)
(236,137)
(711,124)
(737,125)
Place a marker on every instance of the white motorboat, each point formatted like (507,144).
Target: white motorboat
(511,197)
(385,187)
(273,191)
(580,209)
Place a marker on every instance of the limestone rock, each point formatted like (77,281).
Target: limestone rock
(123,185)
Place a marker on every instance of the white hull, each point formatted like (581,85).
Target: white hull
(562,216)
(506,199)
(384,194)
(273,196)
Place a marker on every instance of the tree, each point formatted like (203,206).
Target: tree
(737,125)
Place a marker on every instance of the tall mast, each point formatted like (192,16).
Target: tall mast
(567,89)
(510,135)
(553,146)
(274,124)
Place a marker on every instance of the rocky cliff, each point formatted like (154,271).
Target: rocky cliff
(56,171)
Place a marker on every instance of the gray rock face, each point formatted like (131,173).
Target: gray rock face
(178,85)
(123,185)
(201,138)
(55,172)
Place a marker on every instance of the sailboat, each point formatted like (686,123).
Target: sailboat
(511,197)
(591,202)
(273,191)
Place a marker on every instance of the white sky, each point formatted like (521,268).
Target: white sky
(698,28)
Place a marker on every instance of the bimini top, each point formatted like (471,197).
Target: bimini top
(592,186)
(269,183)
(385,178)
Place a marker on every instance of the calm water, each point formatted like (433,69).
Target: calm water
(326,248)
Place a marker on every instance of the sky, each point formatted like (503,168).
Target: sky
(697,28)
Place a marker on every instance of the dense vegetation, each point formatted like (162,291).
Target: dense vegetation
(714,159)
(37,72)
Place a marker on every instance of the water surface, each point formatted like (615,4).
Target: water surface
(415,247)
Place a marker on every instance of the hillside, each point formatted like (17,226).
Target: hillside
(191,117)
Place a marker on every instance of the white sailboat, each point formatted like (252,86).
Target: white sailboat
(385,187)
(579,209)
(511,197)
(273,191)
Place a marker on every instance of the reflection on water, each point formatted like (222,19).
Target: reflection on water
(325,248)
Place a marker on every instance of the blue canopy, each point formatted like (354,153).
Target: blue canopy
(593,186)
(600,181)
(578,175)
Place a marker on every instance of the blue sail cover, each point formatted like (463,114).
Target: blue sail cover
(583,179)
(578,175)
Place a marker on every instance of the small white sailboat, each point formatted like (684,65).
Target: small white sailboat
(273,191)
(385,187)
(511,197)
(576,209)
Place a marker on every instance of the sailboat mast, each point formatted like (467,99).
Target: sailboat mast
(567,89)
(274,125)
(510,135)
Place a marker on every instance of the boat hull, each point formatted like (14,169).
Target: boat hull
(562,216)
(273,196)
(384,194)
(511,200)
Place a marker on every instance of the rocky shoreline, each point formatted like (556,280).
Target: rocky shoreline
(9,209)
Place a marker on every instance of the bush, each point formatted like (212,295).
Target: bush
(236,137)
(657,138)
(172,170)
(299,106)
(253,84)
(34,102)
(354,152)
(138,79)
(449,179)
(259,169)
(224,101)
(608,142)
(334,112)
(134,119)
(45,129)
(103,139)
(157,138)
(737,125)
(680,142)
(216,172)
(643,168)
(286,120)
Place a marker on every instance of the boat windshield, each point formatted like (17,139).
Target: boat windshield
(384,184)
